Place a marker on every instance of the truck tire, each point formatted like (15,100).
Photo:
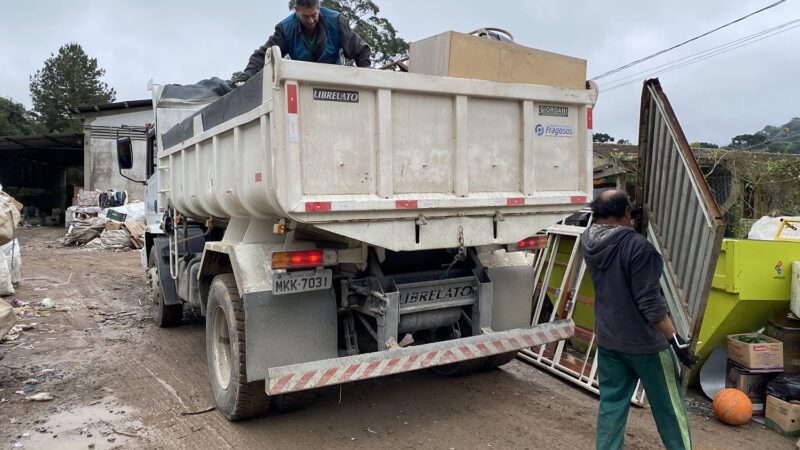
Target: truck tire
(165,316)
(495,361)
(293,401)
(460,368)
(235,398)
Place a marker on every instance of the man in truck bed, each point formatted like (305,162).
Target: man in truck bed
(313,34)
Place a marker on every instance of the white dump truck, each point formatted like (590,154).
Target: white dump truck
(335,224)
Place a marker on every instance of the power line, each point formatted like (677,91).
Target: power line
(639,61)
(704,52)
(705,55)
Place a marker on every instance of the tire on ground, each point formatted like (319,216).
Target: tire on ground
(292,401)
(235,398)
(165,316)
(495,361)
(460,368)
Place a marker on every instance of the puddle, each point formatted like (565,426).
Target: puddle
(80,427)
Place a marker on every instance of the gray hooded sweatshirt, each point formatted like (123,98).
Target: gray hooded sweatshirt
(625,270)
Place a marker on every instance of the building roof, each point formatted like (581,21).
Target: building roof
(63,150)
(130,104)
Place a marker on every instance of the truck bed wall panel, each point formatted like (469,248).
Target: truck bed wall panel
(327,145)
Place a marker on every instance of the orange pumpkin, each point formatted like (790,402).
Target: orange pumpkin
(733,407)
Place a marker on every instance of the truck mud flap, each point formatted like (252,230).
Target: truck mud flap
(168,284)
(317,374)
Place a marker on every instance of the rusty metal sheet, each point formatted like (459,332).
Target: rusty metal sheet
(681,217)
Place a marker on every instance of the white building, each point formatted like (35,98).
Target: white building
(102,125)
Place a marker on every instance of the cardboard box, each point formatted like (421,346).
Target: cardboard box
(757,357)
(466,56)
(752,384)
(783,417)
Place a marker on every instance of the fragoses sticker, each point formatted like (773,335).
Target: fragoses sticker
(553,130)
(553,111)
(336,95)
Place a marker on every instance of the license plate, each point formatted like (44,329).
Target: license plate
(294,282)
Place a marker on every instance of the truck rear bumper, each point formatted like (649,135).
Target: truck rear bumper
(317,374)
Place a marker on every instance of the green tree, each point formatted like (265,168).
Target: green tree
(703,145)
(68,79)
(748,141)
(602,138)
(623,142)
(15,120)
(377,32)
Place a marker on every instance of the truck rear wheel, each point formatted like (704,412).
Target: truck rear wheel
(460,368)
(225,348)
(165,316)
(495,361)
(292,401)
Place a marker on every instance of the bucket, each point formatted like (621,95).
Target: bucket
(787,331)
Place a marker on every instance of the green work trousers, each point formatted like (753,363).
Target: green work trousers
(618,374)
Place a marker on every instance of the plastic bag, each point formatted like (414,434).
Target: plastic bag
(9,217)
(767,227)
(115,239)
(82,232)
(134,212)
(10,253)
(7,319)
(785,387)
(6,288)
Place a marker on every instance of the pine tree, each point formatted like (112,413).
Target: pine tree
(68,79)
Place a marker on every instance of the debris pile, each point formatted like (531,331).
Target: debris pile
(119,227)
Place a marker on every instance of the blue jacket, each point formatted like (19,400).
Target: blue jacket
(334,35)
(328,33)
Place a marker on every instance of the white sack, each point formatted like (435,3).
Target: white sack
(7,318)
(9,217)
(10,252)
(134,211)
(766,227)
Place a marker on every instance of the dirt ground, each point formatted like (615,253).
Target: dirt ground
(121,382)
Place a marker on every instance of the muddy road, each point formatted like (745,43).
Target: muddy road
(120,382)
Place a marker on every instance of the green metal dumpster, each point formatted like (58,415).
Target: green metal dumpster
(751,285)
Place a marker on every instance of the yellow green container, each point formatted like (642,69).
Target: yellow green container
(752,284)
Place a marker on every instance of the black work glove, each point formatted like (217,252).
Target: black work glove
(238,79)
(682,351)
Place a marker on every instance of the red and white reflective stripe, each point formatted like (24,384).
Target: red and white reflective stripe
(292,123)
(329,372)
(589,118)
(579,199)
(385,204)
(291,98)
(318,206)
(406,204)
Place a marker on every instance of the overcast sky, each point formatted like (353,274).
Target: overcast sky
(183,42)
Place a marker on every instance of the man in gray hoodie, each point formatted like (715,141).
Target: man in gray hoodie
(633,328)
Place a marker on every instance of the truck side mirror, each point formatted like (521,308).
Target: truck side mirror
(124,153)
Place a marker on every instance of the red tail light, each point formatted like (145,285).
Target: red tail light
(533,243)
(298,260)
